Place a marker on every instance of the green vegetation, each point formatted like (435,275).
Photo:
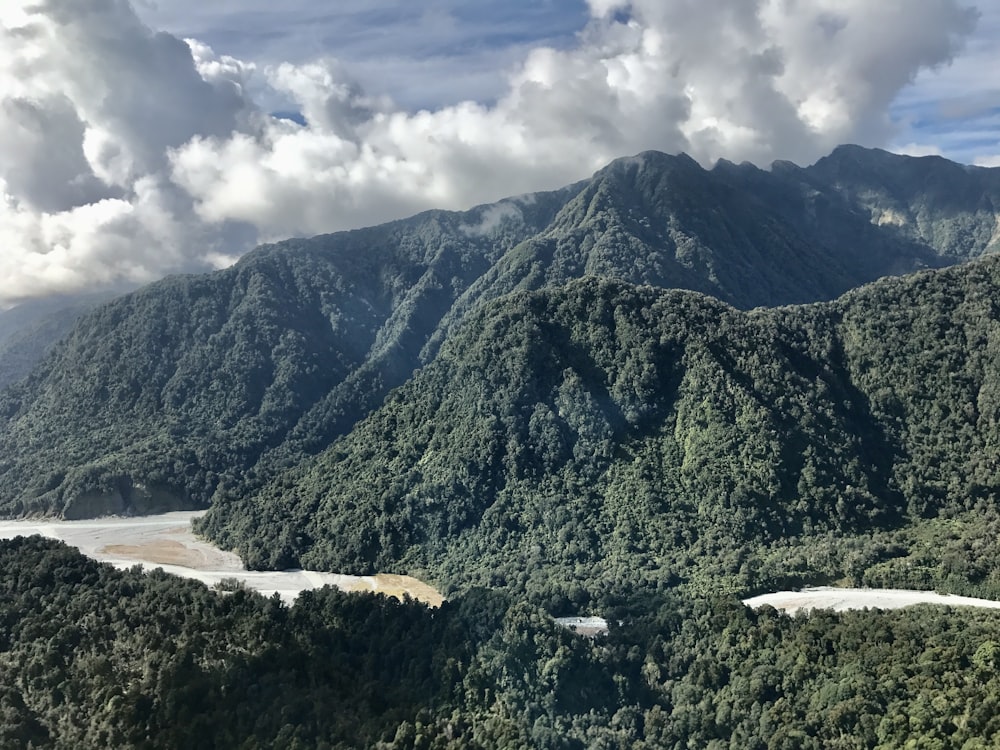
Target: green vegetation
(930,200)
(578,440)
(199,384)
(30,330)
(156,398)
(95,657)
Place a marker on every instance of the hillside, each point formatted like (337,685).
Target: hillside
(601,434)
(633,398)
(746,236)
(161,397)
(154,398)
(29,331)
(951,207)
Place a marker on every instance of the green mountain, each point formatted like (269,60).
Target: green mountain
(203,385)
(156,397)
(598,433)
(951,207)
(31,329)
(601,400)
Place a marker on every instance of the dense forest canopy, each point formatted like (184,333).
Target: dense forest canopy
(95,657)
(600,431)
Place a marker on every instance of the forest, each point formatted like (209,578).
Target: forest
(570,442)
(97,657)
(198,385)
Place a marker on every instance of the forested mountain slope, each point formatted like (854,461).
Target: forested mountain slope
(156,396)
(599,432)
(161,397)
(746,236)
(951,207)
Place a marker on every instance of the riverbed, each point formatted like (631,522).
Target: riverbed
(843,599)
(167,541)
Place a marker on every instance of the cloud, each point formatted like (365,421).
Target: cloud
(91,102)
(423,55)
(917,149)
(955,107)
(493,216)
(133,154)
(724,78)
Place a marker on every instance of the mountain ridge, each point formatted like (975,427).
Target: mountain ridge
(199,389)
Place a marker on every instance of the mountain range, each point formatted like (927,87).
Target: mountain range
(577,382)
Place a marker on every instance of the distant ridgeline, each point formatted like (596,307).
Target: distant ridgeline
(30,330)
(562,412)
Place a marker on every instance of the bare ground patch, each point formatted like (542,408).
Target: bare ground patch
(391,584)
(396,585)
(162,551)
(167,540)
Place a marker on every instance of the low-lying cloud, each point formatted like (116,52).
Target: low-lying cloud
(128,154)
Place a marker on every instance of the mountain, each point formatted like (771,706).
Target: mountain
(157,396)
(29,330)
(601,399)
(753,238)
(200,388)
(952,207)
(599,432)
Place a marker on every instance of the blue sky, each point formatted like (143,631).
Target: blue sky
(423,54)
(140,136)
(956,109)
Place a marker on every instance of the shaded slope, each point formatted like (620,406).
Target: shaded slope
(746,236)
(96,657)
(601,431)
(951,207)
(30,330)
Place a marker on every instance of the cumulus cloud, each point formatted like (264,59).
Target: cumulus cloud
(129,153)
(91,102)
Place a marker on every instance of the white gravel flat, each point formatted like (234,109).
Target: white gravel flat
(842,599)
(166,541)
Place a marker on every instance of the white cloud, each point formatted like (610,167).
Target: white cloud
(91,102)
(917,149)
(493,216)
(132,154)
(988,161)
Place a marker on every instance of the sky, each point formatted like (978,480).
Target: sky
(152,137)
